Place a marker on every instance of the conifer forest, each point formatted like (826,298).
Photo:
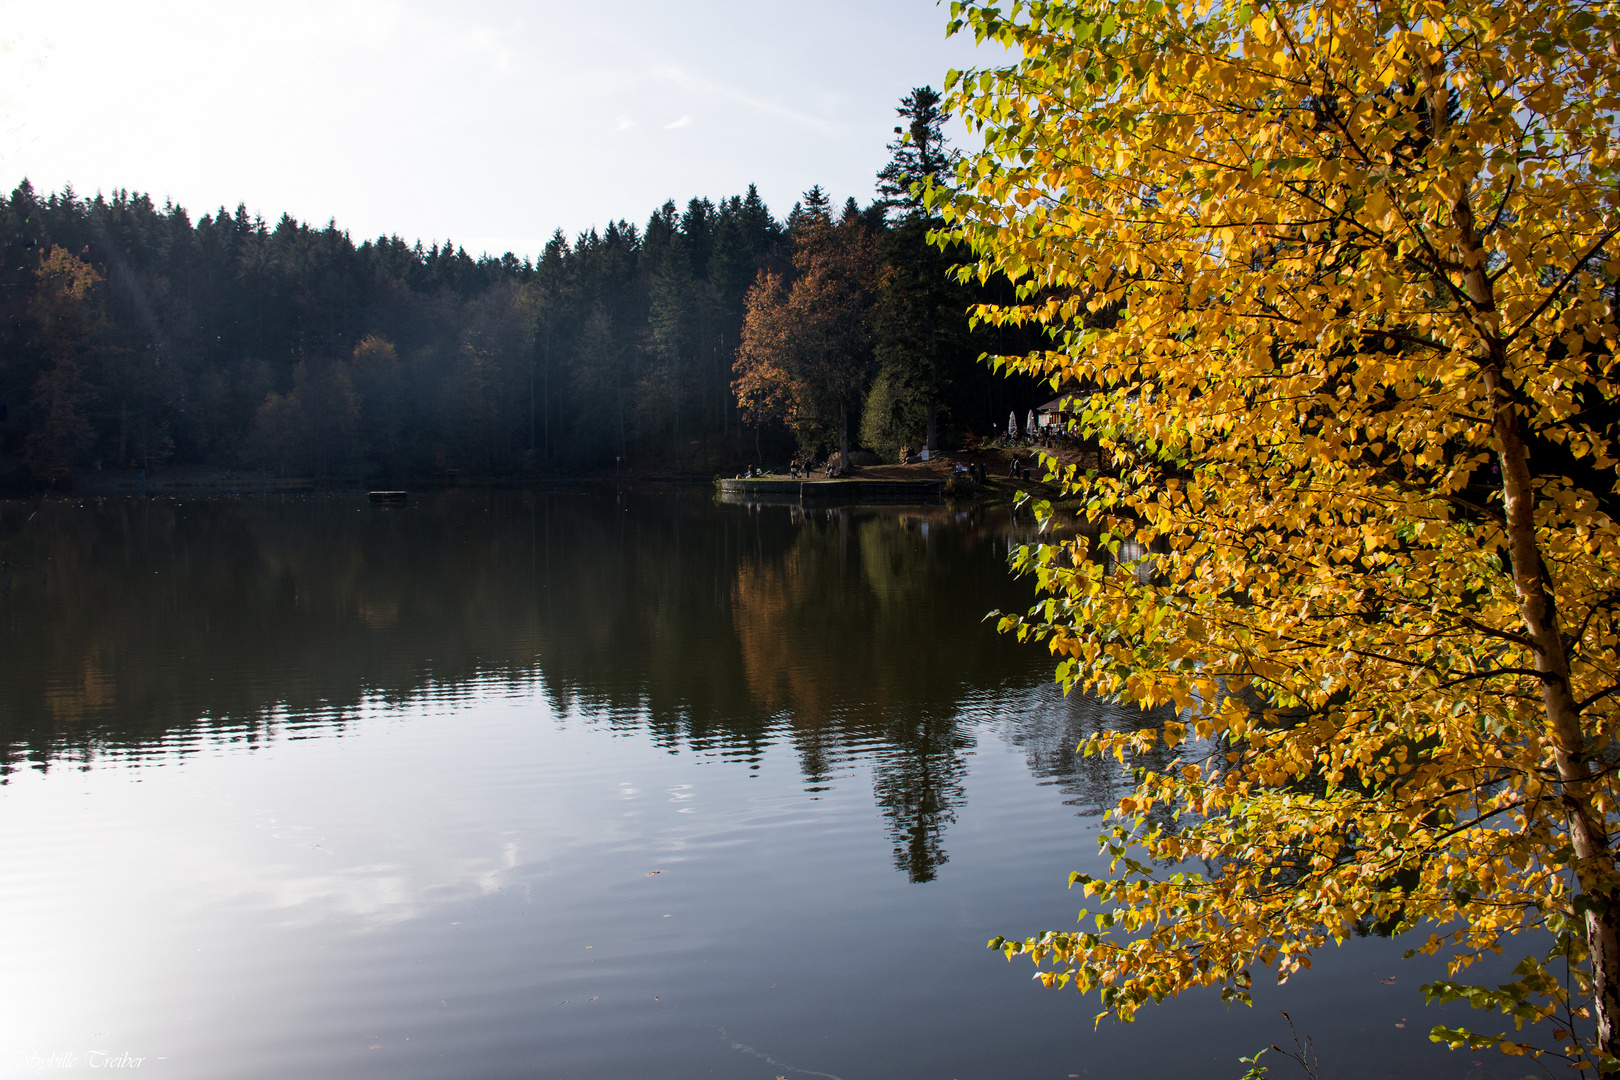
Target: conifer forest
(135,336)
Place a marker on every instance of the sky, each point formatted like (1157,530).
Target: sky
(487,122)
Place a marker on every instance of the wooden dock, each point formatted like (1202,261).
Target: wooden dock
(851,491)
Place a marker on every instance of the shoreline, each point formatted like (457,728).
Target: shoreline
(920,482)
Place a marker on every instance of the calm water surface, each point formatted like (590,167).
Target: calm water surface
(579,784)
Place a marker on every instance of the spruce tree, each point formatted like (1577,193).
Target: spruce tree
(918,156)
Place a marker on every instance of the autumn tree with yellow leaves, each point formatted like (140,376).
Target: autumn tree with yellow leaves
(1337,282)
(67,318)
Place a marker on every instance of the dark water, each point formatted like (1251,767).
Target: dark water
(576,784)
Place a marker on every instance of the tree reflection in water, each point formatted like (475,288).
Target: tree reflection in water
(1049,737)
(131,628)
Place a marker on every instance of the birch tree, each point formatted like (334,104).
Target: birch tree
(1343,274)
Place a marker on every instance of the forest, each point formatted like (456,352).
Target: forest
(132,338)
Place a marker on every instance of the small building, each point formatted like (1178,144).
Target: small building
(1056,414)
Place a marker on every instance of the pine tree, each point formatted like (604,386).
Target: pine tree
(923,343)
(919,157)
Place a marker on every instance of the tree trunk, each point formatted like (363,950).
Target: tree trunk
(545,399)
(677,446)
(933,413)
(1594,861)
(843,437)
(725,396)
(1595,864)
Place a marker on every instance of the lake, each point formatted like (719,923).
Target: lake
(584,783)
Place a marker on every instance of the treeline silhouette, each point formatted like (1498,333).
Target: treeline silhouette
(132,337)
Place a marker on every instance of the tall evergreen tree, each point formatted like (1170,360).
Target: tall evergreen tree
(918,157)
(924,345)
(672,322)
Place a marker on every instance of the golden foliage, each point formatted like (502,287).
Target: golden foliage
(1338,280)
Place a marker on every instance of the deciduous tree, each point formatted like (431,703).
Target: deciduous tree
(806,347)
(1345,276)
(67,316)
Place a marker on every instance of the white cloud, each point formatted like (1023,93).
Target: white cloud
(624,124)
(685,121)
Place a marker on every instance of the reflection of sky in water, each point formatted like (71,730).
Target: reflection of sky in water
(721,792)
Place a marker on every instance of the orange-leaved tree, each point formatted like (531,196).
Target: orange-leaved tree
(1337,281)
(806,347)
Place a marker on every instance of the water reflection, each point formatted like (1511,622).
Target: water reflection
(140,629)
(502,865)
(1049,735)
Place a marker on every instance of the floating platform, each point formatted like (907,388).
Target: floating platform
(388,496)
(828,492)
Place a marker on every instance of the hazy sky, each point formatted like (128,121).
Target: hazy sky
(491,122)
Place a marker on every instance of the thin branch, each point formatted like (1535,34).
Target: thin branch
(1544,676)
(1582,705)
(1553,295)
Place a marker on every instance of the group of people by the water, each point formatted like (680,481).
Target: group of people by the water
(803,467)
(973,470)
(799,468)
